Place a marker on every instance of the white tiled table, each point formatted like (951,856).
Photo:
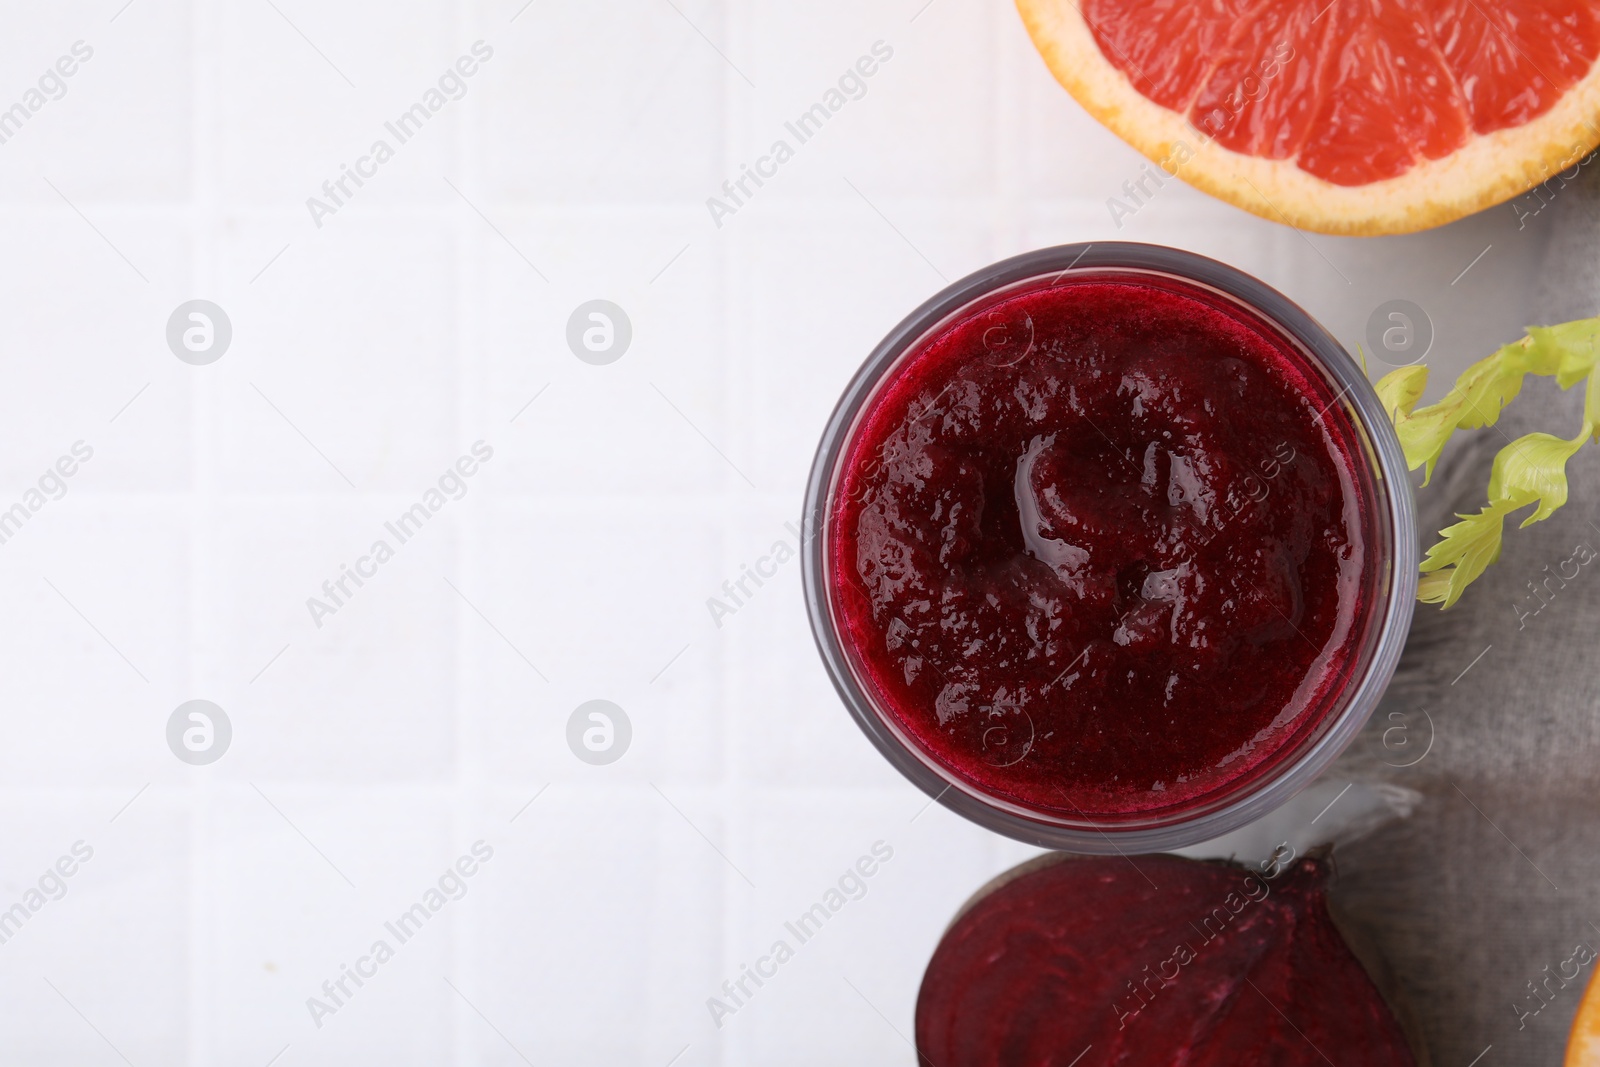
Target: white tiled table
(367,356)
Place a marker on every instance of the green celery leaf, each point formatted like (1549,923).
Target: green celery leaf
(1535,467)
(1434,586)
(1468,547)
(1531,469)
(1575,347)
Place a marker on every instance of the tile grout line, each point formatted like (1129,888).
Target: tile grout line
(737,117)
(1009,100)
(469,528)
(201,393)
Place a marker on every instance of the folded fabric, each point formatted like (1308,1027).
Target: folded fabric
(1486,901)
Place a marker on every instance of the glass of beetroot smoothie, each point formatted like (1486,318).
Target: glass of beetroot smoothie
(1113,548)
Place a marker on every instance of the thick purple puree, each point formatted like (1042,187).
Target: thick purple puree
(1097,548)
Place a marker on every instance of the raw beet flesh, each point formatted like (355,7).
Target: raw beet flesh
(1171,961)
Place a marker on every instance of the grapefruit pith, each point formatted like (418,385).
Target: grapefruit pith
(1342,116)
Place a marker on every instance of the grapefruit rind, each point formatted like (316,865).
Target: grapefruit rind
(1489,169)
(1583,1045)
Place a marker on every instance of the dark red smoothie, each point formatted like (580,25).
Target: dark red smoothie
(1097,547)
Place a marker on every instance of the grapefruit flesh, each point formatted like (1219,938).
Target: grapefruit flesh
(1348,116)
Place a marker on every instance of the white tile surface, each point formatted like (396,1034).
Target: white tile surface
(369,354)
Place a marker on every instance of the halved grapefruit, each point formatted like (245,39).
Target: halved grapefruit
(1583,1045)
(1342,116)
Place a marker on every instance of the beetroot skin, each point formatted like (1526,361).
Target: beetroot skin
(1170,962)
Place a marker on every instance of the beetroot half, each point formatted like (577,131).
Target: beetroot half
(1096,961)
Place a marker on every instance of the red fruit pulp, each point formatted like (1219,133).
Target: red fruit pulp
(1169,962)
(1355,91)
(1099,549)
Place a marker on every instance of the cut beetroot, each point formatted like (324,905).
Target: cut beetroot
(1171,961)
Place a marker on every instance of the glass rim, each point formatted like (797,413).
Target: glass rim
(1395,588)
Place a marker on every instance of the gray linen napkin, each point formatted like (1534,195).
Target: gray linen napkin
(1486,901)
